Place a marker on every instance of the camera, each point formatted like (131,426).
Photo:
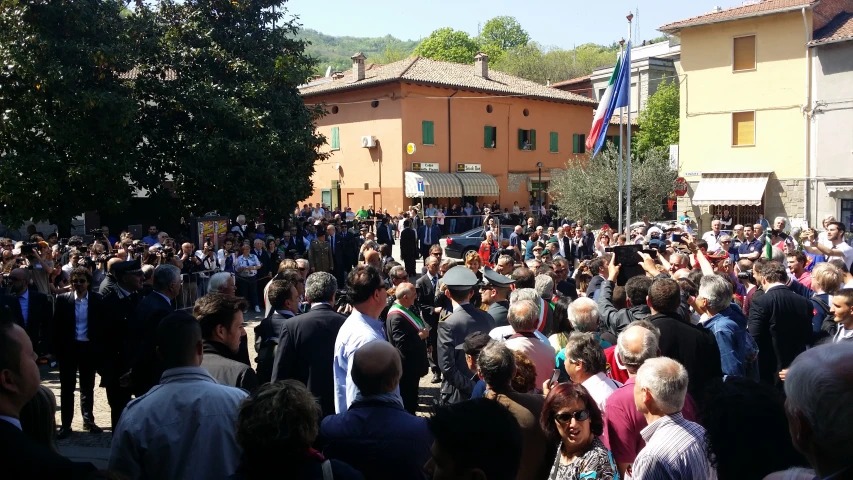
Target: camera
(28,248)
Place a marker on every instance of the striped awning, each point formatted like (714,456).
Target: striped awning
(479,185)
(744,189)
(436,185)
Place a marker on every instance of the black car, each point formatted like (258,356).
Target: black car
(460,244)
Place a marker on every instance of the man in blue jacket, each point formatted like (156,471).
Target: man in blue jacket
(376,435)
(738,353)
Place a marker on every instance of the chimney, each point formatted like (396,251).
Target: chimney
(358,66)
(481,65)
(717,9)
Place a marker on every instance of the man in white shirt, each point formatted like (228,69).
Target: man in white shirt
(586,364)
(842,309)
(713,237)
(838,247)
(185,427)
(523,317)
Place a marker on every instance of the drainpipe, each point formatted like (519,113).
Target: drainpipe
(807,119)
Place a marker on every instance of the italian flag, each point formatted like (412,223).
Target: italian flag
(616,95)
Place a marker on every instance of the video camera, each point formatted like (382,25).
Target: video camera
(29,248)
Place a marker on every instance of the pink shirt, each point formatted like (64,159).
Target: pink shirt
(540,353)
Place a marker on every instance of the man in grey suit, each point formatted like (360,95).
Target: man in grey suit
(495,293)
(458,383)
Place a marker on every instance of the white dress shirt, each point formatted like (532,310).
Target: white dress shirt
(81,317)
(600,386)
(357,330)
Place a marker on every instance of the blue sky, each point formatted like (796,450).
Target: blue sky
(551,23)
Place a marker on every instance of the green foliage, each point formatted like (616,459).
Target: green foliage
(336,51)
(67,127)
(588,187)
(448,45)
(539,64)
(504,32)
(659,122)
(231,129)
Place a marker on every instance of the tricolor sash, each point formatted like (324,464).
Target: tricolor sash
(542,315)
(409,315)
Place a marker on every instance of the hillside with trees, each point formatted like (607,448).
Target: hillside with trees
(336,51)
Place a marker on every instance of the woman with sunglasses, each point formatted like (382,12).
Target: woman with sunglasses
(571,418)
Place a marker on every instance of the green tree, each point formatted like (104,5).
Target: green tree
(391,54)
(659,121)
(504,32)
(588,188)
(67,129)
(448,45)
(231,128)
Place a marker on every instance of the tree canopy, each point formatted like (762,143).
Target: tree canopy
(588,187)
(659,121)
(449,45)
(504,32)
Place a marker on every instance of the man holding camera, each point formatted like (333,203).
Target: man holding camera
(190,267)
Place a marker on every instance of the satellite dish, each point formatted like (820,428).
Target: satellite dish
(328,71)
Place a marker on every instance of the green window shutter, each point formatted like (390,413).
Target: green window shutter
(533,139)
(520,139)
(336,141)
(555,147)
(617,140)
(487,137)
(582,142)
(576,143)
(428,128)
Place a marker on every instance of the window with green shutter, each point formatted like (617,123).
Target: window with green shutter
(428,129)
(555,143)
(526,139)
(336,140)
(490,135)
(533,139)
(578,143)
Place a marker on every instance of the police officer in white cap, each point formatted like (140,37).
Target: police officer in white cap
(457,383)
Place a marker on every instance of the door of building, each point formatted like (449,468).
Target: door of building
(326,197)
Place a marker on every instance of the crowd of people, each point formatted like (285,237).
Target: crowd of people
(559,352)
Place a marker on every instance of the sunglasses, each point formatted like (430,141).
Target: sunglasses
(567,417)
(79,281)
(726,241)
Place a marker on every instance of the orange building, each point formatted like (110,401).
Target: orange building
(473,134)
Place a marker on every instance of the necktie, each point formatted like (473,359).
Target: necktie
(428,236)
(434,283)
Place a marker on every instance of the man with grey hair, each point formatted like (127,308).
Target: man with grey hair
(727,322)
(307,342)
(523,317)
(623,422)
(583,315)
(506,331)
(675,447)
(586,365)
(222,282)
(145,369)
(407,331)
(713,236)
(497,368)
(546,313)
(545,287)
(819,387)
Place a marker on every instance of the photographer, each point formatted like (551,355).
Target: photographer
(209,265)
(227,257)
(38,260)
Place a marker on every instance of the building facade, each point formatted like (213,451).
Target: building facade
(745,139)
(443,132)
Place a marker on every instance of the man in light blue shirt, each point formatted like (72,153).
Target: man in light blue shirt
(368,297)
(185,427)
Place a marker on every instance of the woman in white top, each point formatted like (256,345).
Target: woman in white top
(247,267)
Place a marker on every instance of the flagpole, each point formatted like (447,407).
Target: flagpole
(619,164)
(628,145)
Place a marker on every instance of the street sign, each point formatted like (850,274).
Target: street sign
(410,148)
(424,167)
(681,186)
(421,187)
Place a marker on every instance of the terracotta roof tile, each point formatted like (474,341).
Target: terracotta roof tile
(572,81)
(447,74)
(838,30)
(754,9)
(135,71)
(635,119)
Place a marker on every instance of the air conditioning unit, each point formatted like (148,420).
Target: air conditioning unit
(368,142)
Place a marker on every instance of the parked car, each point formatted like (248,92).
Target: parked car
(460,244)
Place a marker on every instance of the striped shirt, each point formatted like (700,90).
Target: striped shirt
(675,449)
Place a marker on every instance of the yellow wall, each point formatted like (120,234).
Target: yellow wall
(776,90)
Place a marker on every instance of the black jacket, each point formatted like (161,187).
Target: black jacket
(780,322)
(267,335)
(384,235)
(305,351)
(24,458)
(222,365)
(408,244)
(403,335)
(64,330)
(692,346)
(38,319)
(141,344)
(113,332)
(594,285)
(612,319)
(108,285)
(425,302)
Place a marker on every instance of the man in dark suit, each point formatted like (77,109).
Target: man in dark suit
(75,321)
(779,322)
(19,383)
(145,367)
(307,342)
(407,331)
(335,243)
(458,381)
(409,247)
(264,274)
(429,235)
(120,305)
(598,268)
(425,304)
(30,309)
(285,303)
(383,232)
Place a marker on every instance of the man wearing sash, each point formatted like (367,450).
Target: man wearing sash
(407,331)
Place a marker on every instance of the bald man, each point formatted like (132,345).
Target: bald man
(377,418)
(30,309)
(109,284)
(407,331)
(372,257)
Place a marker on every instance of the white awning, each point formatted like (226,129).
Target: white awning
(436,185)
(839,187)
(479,185)
(744,189)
